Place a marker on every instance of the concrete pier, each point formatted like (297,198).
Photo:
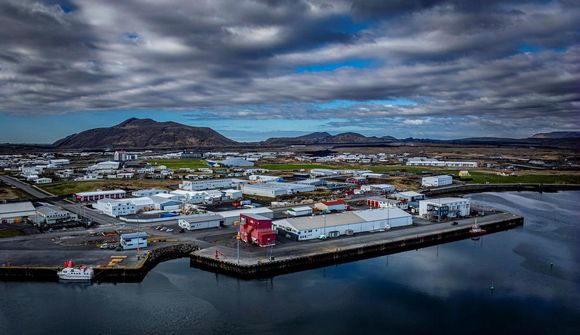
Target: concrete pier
(342,250)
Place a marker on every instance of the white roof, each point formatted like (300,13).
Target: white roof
(201,217)
(17,209)
(237,212)
(300,209)
(277,186)
(381,214)
(447,200)
(410,194)
(94,193)
(165,195)
(141,201)
(354,217)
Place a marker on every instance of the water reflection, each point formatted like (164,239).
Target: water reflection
(444,288)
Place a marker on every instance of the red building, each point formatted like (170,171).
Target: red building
(97,195)
(357,180)
(257,229)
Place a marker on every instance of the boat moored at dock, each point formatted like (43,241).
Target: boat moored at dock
(70,273)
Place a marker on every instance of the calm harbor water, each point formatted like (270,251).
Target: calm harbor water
(442,289)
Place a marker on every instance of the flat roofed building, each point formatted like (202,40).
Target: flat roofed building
(274,189)
(409,196)
(299,211)
(437,181)
(257,229)
(50,215)
(200,221)
(230,217)
(208,184)
(148,192)
(115,207)
(134,240)
(332,206)
(380,202)
(347,223)
(441,208)
(96,195)
(384,188)
(16,212)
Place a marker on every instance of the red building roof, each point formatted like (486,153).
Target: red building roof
(334,202)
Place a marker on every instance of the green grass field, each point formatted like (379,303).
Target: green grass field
(71,187)
(298,166)
(374,168)
(180,163)
(482,178)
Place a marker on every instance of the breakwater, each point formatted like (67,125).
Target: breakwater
(103,273)
(260,269)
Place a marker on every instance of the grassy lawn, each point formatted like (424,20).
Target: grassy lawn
(374,168)
(71,187)
(10,232)
(298,166)
(482,178)
(180,163)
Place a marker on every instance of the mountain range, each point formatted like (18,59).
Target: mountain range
(137,133)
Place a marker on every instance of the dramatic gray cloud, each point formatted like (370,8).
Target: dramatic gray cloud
(478,64)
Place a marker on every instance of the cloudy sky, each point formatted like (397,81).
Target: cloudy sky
(261,68)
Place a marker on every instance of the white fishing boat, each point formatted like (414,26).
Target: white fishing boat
(70,273)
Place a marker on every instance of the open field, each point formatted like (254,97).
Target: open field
(180,163)
(11,193)
(482,178)
(71,187)
(299,166)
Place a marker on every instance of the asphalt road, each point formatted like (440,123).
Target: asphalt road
(24,187)
(82,212)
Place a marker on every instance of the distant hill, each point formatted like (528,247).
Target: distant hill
(145,133)
(326,138)
(558,135)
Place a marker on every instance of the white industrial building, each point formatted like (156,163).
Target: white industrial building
(115,207)
(164,204)
(444,207)
(274,189)
(436,181)
(142,203)
(189,197)
(229,217)
(104,166)
(134,240)
(264,178)
(323,172)
(43,180)
(236,162)
(313,182)
(50,215)
(299,211)
(383,188)
(409,196)
(200,221)
(199,185)
(148,192)
(232,194)
(380,202)
(347,223)
(422,161)
(16,212)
